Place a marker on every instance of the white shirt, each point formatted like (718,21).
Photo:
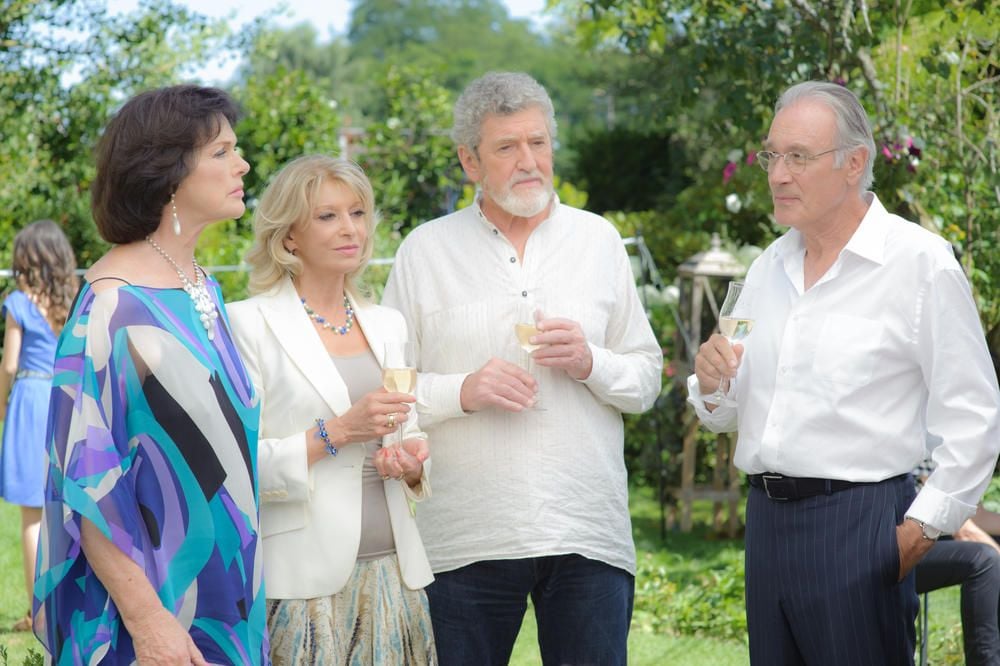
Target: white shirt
(534,483)
(851,379)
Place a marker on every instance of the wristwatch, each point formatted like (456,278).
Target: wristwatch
(930,532)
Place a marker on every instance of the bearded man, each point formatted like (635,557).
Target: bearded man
(528,502)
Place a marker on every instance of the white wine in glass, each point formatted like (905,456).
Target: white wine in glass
(524,333)
(527,326)
(735,323)
(399,372)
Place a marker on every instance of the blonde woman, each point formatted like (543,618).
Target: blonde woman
(344,566)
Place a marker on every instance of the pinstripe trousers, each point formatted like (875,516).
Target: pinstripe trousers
(821,578)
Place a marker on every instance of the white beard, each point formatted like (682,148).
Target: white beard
(523,205)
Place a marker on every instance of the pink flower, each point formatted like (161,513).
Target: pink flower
(728,171)
(751,156)
(887,152)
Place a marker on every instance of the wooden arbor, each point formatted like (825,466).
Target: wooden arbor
(699,309)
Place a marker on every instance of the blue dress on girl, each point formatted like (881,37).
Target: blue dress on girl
(22,458)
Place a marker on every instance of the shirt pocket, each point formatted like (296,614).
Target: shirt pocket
(847,349)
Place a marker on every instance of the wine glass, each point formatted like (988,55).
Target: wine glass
(399,371)
(735,323)
(528,315)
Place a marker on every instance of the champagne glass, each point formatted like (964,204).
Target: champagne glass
(735,323)
(399,371)
(529,313)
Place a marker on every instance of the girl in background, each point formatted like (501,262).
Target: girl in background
(45,284)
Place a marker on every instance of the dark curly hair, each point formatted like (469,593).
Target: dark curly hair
(146,150)
(44,268)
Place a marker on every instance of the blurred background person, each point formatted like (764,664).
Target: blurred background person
(149,549)
(44,286)
(344,566)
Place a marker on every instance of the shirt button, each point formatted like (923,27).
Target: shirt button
(495,232)
(524,293)
(513,260)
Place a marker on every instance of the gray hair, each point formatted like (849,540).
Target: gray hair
(853,127)
(500,94)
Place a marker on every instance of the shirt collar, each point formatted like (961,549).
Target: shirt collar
(867,242)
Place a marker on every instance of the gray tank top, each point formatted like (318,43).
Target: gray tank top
(362,375)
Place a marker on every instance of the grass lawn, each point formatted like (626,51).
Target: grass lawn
(686,571)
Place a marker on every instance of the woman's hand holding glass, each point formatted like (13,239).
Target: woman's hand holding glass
(404,462)
(399,373)
(374,416)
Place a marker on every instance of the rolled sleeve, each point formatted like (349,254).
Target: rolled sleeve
(629,382)
(439,397)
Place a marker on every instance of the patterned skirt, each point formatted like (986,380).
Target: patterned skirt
(375,619)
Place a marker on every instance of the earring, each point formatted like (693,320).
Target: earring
(177,220)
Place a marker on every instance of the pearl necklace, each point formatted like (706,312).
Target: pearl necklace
(319,319)
(196,291)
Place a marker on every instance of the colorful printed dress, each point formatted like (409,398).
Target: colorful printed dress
(153,437)
(22,458)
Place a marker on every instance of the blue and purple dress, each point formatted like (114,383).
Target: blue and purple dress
(153,438)
(22,458)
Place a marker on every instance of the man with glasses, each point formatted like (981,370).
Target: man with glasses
(866,342)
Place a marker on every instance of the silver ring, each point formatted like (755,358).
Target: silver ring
(386,477)
(391,421)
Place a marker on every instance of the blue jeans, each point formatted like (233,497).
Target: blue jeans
(582,607)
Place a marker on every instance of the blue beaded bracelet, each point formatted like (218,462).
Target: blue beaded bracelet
(325,436)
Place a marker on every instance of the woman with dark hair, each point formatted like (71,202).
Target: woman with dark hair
(149,550)
(45,283)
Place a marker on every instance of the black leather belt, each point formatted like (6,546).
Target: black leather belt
(784,488)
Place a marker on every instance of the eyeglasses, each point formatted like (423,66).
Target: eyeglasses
(795,161)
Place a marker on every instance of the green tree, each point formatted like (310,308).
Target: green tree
(64,68)
(408,154)
(712,70)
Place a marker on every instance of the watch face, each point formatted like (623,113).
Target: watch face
(931,532)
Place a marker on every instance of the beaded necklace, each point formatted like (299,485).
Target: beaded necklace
(196,291)
(322,321)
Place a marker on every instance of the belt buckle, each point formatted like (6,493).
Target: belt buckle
(767,488)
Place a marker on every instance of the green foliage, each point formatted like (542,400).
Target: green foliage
(276,129)
(710,604)
(64,69)
(645,169)
(408,155)
(710,72)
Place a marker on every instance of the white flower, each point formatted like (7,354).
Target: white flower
(733,203)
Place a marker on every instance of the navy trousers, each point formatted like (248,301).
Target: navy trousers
(976,567)
(821,578)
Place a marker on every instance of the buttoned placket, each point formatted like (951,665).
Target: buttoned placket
(520,277)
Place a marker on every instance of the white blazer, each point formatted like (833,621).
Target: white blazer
(310,517)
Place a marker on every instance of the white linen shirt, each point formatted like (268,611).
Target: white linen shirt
(534,483)
(851,379)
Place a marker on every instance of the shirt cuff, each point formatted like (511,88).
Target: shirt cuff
(599,369)
(722,413)
(441,397)
(940,510)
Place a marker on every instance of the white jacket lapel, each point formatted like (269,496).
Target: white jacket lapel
(300,341)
